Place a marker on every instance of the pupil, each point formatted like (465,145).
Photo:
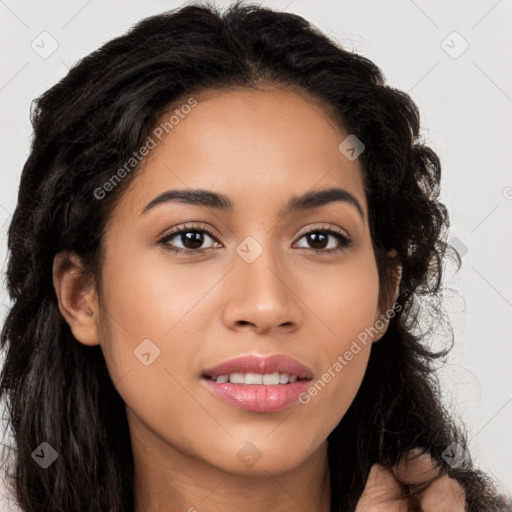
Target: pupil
(314,237)
(192,237)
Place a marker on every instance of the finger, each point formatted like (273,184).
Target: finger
(382,493)
(444,495)
(415,469)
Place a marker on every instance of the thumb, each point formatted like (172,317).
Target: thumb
(382,492)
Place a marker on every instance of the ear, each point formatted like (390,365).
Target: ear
(385,313)
(76,297)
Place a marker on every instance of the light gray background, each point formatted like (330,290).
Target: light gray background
(465,102)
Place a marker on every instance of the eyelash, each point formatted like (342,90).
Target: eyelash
(344,240)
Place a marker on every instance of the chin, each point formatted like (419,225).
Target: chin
(261,458)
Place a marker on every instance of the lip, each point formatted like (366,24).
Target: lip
(255,397)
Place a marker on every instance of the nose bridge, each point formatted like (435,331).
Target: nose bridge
(259,292)
(259,264)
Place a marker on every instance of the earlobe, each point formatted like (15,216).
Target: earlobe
(76,298)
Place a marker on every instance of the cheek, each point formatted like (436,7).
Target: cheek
(151,311)
(346,302)
(151,341)
(344,297)
(150,297)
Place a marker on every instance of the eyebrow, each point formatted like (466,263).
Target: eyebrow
(207,198)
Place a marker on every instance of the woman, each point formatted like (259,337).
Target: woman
(222,234)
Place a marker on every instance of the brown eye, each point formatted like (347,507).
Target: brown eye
(191,238)
(319,240)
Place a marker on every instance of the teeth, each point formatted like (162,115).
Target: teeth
(269,379)
(253,378)
(237,378)
(283,378)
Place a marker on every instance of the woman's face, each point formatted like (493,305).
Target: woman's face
(257,289)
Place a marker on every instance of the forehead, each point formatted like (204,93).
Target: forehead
(252,145)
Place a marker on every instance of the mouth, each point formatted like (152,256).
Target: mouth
(258,384)
(251,379)
(276,369)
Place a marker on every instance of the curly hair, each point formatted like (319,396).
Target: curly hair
(86,126)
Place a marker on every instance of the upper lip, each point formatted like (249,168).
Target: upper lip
(260,364)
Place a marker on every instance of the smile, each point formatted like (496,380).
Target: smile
(268,379)
(258,384)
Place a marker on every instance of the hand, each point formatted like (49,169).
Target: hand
(430,492)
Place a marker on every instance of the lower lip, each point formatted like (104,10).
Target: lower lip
(258,397)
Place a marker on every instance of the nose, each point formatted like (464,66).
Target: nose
(261,296)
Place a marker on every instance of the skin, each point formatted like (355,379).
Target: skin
(202,309)
(431,492)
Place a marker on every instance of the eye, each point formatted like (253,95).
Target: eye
(319,239)
(191,237)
